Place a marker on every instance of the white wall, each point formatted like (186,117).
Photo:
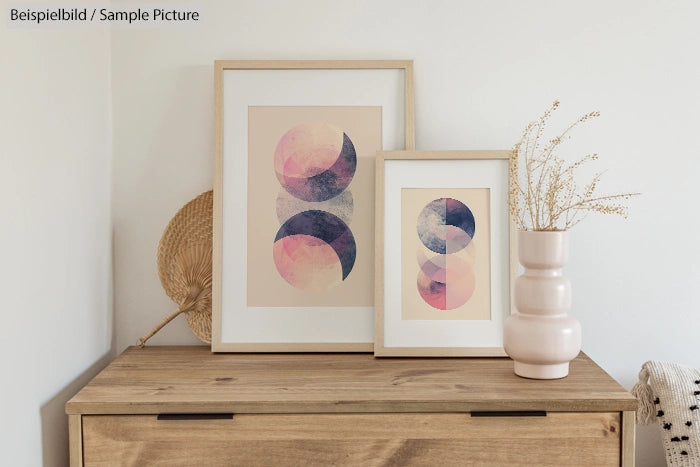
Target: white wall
(55,232)
(483,70)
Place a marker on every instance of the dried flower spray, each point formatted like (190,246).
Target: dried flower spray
(545,196)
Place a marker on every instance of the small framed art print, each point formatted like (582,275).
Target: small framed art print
(445,255)
(295,143)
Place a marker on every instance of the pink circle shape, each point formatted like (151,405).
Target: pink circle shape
(446,282)
(307,263)
(315,161)
(308,149)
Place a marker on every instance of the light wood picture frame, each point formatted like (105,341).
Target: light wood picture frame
(414,315)
(254,100)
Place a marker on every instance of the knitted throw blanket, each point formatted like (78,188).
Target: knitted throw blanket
(670,394)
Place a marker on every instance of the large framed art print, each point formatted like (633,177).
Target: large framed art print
(295,145)
(445,256)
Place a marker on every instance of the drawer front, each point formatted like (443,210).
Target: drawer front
(353,440)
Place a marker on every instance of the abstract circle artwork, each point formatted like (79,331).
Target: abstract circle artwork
(314,249)
(287,206)
(315,161)
(446,225)
(446,281)
(434,277)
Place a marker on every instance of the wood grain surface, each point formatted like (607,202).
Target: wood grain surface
(75,440)
(191,379)
(355,439)
(628,428)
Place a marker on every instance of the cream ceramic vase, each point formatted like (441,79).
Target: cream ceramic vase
(540,337)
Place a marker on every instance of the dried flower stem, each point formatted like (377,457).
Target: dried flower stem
(548,198)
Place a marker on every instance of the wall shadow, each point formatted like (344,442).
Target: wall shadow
(54,421)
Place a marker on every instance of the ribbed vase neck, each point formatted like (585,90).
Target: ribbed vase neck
(543,250)
(535,272)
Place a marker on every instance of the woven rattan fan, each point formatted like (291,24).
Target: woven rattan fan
(185,268)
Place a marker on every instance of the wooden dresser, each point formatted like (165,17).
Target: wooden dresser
(184,406)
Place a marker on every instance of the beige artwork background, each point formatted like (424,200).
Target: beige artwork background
(413,307)
(266,125)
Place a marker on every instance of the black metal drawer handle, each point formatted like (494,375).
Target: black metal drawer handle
(517,413)
(195,416)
